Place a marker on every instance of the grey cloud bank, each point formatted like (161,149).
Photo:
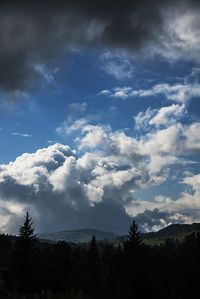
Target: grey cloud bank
(57,188)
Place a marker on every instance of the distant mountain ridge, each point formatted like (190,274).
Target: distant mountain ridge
(78,236)
(175,231)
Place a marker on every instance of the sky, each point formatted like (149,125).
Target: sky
(99,114)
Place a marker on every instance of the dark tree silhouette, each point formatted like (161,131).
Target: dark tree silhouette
(134,272)
(26,231)
(93,268)
(24,262)
(134,238)
(99,270)
(93,253)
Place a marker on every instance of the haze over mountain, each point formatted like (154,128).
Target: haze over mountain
(173,231)
(78,236)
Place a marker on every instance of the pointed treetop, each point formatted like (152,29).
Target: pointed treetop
(134,237)
(93,250)
(26,231)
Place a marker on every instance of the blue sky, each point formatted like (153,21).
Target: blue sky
(79,81)
(103,132)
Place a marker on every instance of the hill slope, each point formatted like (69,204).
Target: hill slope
(174,231)
(77,236)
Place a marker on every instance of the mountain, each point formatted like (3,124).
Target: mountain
(173,231)
(77,236)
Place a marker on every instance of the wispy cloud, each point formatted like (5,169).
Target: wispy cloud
(76,107)
(70,126)
(52,141)
(118,65)
(21,134)
(180,93)
(164,116)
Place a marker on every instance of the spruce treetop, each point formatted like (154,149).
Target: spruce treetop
(26,231)
(134,240)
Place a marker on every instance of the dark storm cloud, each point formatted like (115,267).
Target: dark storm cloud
(40,32)
(108,215)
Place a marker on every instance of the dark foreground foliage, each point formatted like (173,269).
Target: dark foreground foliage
(30,269)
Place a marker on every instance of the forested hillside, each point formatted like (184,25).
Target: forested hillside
(98,270)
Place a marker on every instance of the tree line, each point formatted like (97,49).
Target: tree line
(99,270)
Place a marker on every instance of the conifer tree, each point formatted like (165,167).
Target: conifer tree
(133,259)
(24,263)
(93,253)
(93,268)
(134,236)
(26,231)
(26,238)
